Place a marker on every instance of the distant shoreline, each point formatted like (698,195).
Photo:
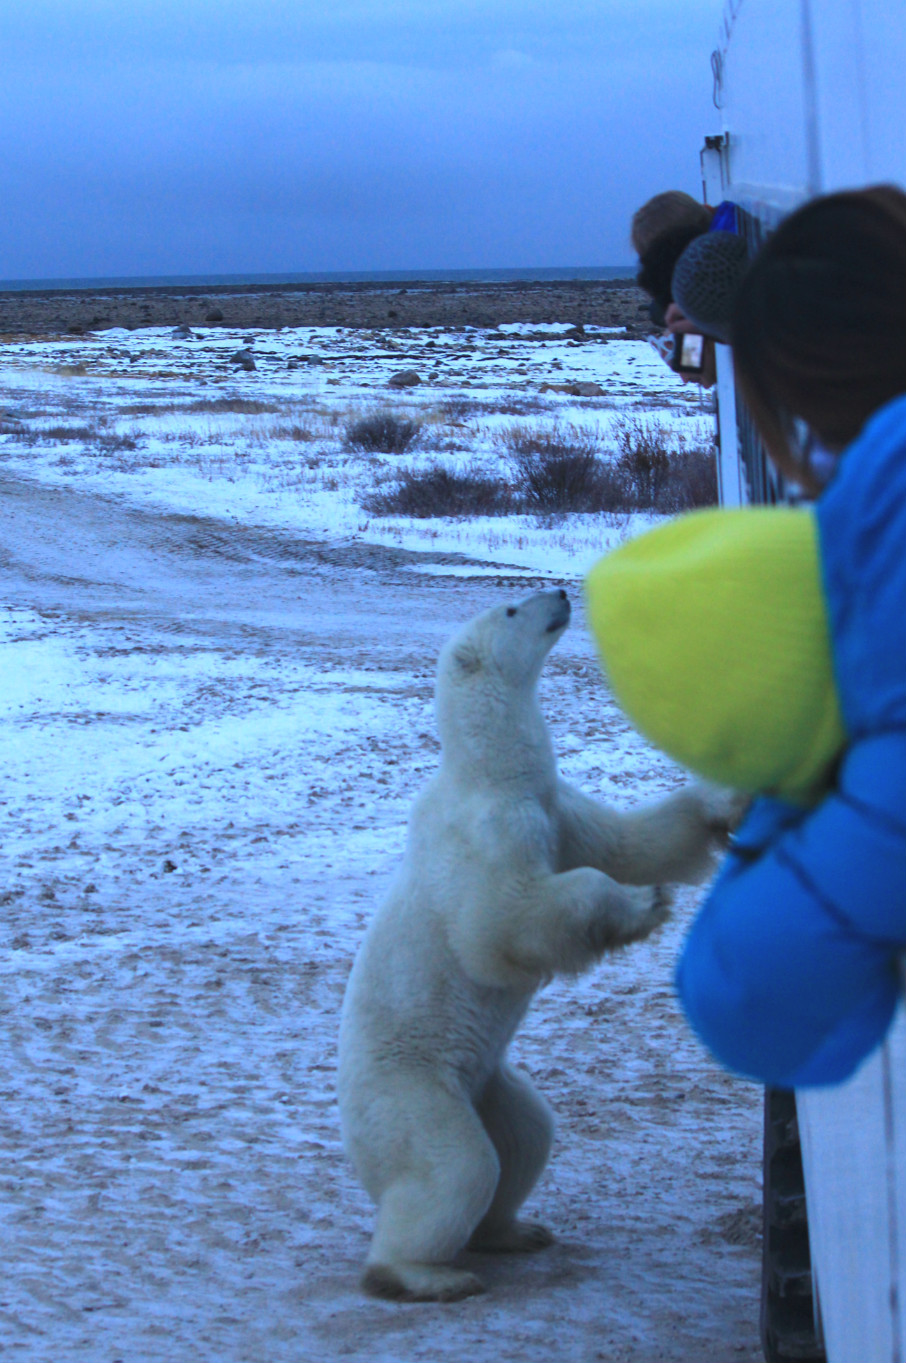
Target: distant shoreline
(368,303)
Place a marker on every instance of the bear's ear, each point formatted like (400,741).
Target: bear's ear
(467,658)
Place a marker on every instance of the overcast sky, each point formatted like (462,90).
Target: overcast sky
(147,137)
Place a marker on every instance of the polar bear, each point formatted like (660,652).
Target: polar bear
(510,876)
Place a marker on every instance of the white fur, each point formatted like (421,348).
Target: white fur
(510,876)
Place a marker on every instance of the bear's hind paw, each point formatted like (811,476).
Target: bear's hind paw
(420,1282)
(519,1237)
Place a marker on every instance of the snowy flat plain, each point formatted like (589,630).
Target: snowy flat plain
(216,707)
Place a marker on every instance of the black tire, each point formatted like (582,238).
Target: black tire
(788,1328)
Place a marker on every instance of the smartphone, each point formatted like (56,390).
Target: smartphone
(688,356)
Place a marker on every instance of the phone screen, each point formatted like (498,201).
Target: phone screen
(691,351)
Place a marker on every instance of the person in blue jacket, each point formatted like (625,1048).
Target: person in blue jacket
(792,971)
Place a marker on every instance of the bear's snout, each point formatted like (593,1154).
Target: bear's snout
(562,613)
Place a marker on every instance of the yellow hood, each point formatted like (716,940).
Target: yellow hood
(713,632)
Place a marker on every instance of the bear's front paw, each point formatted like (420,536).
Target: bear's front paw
(630,916)
(723,809)
(652,905)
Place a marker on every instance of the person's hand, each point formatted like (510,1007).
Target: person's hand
(677,322)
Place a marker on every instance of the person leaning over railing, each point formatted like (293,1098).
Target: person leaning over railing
(790,973)
(770,643)
(666,231)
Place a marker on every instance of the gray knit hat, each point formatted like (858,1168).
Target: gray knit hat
(705,280)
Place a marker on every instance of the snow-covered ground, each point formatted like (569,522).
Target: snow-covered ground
(215,710)
(172,423)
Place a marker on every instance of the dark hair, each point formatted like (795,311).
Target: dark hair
(819,322)
(674,208)
(659,261)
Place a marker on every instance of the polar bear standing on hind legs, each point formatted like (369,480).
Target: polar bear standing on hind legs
(510,876)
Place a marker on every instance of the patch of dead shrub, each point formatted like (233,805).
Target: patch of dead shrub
(382,432)
(436,490)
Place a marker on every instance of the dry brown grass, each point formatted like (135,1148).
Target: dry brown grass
(241,406)
(661,471)
(435,490)
(382,432)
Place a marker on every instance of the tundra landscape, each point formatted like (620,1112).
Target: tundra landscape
(232,548)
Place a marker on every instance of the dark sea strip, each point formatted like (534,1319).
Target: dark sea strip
(325,277)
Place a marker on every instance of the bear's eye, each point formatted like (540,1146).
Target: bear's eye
(511,610)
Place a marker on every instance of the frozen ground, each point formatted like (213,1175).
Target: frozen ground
(216,707)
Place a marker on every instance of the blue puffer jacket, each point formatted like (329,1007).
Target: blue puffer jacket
(789,974)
